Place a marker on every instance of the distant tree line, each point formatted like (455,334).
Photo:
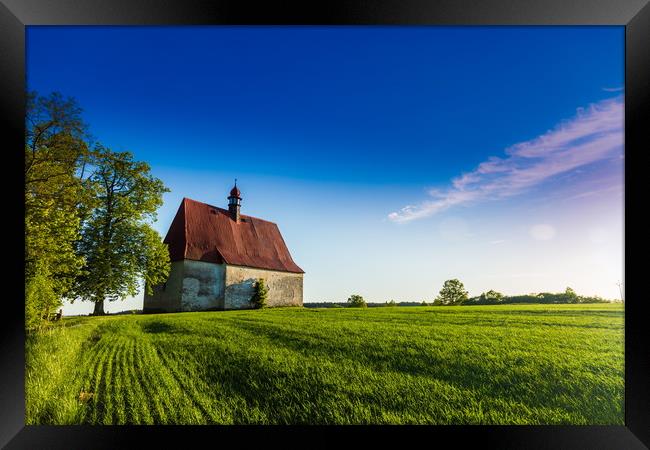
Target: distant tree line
(358,304)
(453,293)
(568,296)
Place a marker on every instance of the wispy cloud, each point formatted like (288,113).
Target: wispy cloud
(614,188)
(614,89)
(593,134)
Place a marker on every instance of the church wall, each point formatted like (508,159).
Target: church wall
(202,286)
(167,296)
(285,288)
(199,286)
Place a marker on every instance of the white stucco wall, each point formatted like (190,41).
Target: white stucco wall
(200,286)
(203,286)
(285,288)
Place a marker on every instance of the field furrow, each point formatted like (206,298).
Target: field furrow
(515,364)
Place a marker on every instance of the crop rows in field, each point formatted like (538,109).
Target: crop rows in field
(532,364)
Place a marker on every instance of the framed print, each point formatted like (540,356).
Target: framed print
(347,220)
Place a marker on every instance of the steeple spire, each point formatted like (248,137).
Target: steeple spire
(234,202)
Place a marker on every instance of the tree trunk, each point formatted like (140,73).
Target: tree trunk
(99,308)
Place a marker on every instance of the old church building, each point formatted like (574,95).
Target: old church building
(217,255)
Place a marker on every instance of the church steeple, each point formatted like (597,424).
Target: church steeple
(234,202)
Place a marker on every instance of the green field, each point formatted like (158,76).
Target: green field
(516,364)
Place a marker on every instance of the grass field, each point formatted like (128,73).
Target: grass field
(516,364)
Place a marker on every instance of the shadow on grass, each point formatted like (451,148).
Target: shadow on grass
(547,387)
(157,326)
(276,394)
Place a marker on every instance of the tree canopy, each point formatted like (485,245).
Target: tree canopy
(491,296)
(117,242)
(87,214)
(56,152)
(452,293)
(357,301)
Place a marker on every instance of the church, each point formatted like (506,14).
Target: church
(218,254)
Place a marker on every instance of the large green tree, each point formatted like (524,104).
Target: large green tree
(56,153)
(120,248)
(452,293)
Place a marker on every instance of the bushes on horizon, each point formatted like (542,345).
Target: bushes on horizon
(490,297)
(356,301)
(569,296)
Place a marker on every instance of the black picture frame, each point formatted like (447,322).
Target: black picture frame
(633,14)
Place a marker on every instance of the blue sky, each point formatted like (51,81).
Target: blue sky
(392,158)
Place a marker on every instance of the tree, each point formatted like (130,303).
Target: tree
(260,295)
(391,303)
(491,297)
(119,246)
(424,303)
(452,293)
(570,296)
(40,298)
(56,152)
(356,301)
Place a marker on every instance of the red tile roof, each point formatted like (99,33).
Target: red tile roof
(204,232)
